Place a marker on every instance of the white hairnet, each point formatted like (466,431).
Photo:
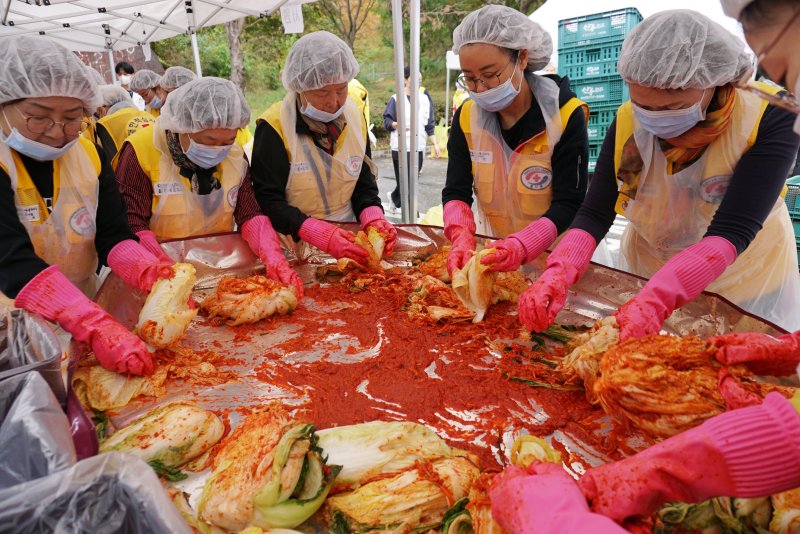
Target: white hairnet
(144,79)
(203,104)
(682,49)
(316,60)
(734,8)
(175,77)
(32,67)
(114,94)
(95,76)
(508,28)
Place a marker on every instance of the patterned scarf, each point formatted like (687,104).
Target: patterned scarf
(202,181)
(324,134)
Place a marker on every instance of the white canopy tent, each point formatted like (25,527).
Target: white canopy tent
(97,25)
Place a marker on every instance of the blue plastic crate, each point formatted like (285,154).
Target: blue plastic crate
(793,200)
(591,60)
(605,90)
(578,30)
(600,118)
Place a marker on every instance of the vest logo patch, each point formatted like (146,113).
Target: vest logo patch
(137,122)
(163,189)
(536,178)
(353,165)
(233,195)
(300,167)
(28,213)
(713,189)
(480,156)
(81,222)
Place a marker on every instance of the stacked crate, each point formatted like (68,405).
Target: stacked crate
(793,203)
(588,50)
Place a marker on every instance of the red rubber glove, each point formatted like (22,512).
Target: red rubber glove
(542,500)
(540,303)
(335,241)
(679,281)
(522,247)
(373,216)
(762,354)
(263,241)
(137,266)
(52,295)
(459,228)
(750,452)
(149,241)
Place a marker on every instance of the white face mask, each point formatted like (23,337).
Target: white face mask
(125,79)
(34,149)
(206,156)
(500,97)
(670,123)
(317,114)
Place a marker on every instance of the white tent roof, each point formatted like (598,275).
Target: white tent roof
(96,25)
(554,10)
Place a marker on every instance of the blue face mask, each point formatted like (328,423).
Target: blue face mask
(670,123)
(206,156)
(34,149)
(318,115)
(155,103)
(497,98)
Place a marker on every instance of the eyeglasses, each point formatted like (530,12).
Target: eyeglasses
(40,125)
(472,83)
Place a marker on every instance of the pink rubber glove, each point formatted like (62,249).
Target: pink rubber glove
(335,241)
(459,228)
(137,266)
(540,303)
(52,295)
(149,241)
(522,247)
(263,241)
(373,216)
(541,500)
(750,452)
(762,354)
(679,281)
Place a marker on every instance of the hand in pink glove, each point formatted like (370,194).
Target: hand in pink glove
(543,499)
(149,241)
(521,247)
(762,354)
(750,452)
(335,241)
(137,266)
(540,303)
(459,228)
(373,216)
(263,240)
(52,295)
(679,281)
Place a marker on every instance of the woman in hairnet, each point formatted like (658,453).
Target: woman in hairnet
(117,118)
(697,166)
(186,176)
(62,210)
(519,143)
(145,83)
(311,153)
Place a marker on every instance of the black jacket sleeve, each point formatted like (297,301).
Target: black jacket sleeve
(431,126)
(105,141)
(112,220)
(390,115)
(458,184)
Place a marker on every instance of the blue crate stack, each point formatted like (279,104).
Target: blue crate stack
(588,50)
(793,203)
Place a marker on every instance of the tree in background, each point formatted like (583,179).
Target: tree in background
(346,16)
(235,28)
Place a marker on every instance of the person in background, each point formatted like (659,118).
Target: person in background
(117,119)
(519,143)
(145,84)
(125,72)
(426,124)
(61,210)
(311,156)
(360,96)
(186,176)
(697,166)
(459,97)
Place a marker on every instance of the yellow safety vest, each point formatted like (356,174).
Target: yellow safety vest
(243,136)
(65,236)
(177,212)
(669,211)
(125,122)
(155,112)
(320,185)
(513,187)
(360,95)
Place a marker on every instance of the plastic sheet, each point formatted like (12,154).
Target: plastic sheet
(110,493)
(34,433)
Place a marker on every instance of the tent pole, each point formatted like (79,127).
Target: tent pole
(447,98)
(413,172)
(196,53)
(187,5)
(402,161)
(111,65)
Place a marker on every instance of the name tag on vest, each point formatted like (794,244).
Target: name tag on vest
(480,156)
(300,166)
(163,189)
(28,213)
